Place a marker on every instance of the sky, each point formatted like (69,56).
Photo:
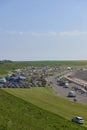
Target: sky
(32,30)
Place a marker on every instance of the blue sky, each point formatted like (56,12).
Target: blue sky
(43,30)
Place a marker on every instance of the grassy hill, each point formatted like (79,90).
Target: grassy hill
(46,99)
(17,114)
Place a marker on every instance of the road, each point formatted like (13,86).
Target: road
(63,92)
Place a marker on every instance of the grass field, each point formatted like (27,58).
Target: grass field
(73,63)
(5,68)
(46,99)
(17,114)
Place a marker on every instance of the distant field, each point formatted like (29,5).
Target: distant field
(46,99)
(67,63)
(53,63)
(5,68)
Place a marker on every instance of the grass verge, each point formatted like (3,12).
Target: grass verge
(46,99)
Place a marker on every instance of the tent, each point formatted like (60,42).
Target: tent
(22,77)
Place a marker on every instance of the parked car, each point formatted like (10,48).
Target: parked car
(72,94)
(66,85)
(2,80)
(78,120)
(61,83)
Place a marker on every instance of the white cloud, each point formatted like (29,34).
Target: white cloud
(21,33)
(72,33)
(58,34)
(68,33)
(46,34)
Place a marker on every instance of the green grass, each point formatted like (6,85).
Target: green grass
(38,108)
(5,68)
(77,63)
(17,114)
(46,99)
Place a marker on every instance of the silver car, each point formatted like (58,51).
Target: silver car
(78,120)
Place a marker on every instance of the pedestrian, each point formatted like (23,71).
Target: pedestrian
(75,100)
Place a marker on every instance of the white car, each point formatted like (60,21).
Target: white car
(72,94)
(78,120)
(2,80)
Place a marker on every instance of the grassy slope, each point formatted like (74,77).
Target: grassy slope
(16,114)
(46,99)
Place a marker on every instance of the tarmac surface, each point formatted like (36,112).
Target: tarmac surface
(63,91)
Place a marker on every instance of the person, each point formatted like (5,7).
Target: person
(75,100)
